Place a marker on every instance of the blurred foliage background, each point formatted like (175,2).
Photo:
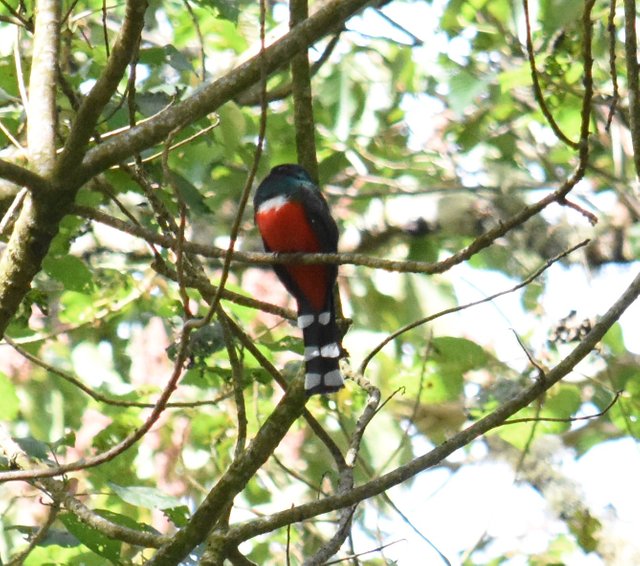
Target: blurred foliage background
(428,134)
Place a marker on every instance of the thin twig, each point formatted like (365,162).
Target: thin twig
(246,191)
(105,31)
(532,361)
(17,15)
(567,419)
(354,557)
(182,209)
(238,383)
(613,71)
(416,323)
(537,89)
(99,397)
(196,25)
(38,536)
(123,445)
(12,212)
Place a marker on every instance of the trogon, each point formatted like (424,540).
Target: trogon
(293,216)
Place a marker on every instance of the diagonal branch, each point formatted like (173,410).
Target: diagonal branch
(208,98)
(252,528)
(235,478)
(92,106)
(22,177)
(123,445)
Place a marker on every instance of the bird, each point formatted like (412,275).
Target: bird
(292,216)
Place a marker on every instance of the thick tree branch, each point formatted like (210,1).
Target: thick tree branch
(92,106)
(235,478)
(22,177)
(41,213)
(208,98)
(249,529)
(41,110)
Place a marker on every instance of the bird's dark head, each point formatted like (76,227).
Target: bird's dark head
(291,171)
(286,179)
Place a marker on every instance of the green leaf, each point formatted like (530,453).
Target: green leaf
(55,537)
(150,103)
(76,307)
(147,497)
(57,555)
(92,538)
(125,521)
(34,448)
(227,9)
(556,14)
(586,529)
(286,344)
(176,59)
(69,439)
(614,339)
(531,295)
(464,88)
(179,516)
(513,78)
(190,194)
(232,128)
(458,354)
(9,402)
(70,271)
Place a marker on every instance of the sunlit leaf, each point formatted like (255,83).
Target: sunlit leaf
(70,271)
(9,402)
(148,497)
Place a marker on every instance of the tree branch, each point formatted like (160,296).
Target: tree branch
(41,110)
(302,100)
(92,106)
(22,177)
(633,81)
(401,266)
(249,529)
(126,443)
(208,98)
(235,478)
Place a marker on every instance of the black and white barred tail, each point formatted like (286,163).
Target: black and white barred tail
(321,352)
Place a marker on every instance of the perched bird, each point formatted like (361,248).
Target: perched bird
(293,216)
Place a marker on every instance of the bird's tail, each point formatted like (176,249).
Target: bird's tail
(321,352)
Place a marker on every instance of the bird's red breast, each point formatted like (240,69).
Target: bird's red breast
(285,228)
